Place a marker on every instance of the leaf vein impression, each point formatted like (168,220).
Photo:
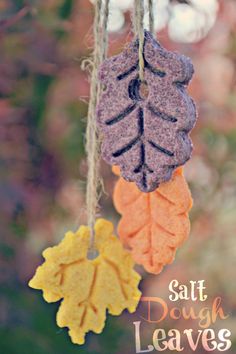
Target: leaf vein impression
(155,71)
(164,197)
(88,302)
(120,280)
(128,72)
(63,267)
(161,149)
(161,114)
(121,115)
(126,148)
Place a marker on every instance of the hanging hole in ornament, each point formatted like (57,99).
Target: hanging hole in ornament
(92,254)
(143,90)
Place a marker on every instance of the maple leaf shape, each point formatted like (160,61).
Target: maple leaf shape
(88,287)
(146,137)
(153,224)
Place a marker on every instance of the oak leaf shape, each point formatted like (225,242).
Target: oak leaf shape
(153,224)
(88,287)
(147,136)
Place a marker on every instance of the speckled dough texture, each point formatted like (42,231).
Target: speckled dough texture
(146,136)
(88,288)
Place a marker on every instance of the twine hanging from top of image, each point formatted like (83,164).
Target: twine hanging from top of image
(92,141)
(138,23)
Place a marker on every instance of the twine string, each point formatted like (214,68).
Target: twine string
(151,16)
(139,31)
(92,141)
(138,27)
(104,29)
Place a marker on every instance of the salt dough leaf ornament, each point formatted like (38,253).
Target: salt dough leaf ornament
(88,287)
(153,224)
(146,137)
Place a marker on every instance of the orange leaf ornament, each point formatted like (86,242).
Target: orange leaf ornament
(153,224)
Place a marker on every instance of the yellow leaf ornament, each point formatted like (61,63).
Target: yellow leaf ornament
(88,287)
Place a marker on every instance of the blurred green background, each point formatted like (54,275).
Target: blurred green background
(43,105)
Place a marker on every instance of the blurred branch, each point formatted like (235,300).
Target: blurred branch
(5,24)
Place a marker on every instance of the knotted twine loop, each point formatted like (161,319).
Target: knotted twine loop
(92,141)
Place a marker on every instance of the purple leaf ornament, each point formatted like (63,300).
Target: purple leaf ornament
(146,134)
